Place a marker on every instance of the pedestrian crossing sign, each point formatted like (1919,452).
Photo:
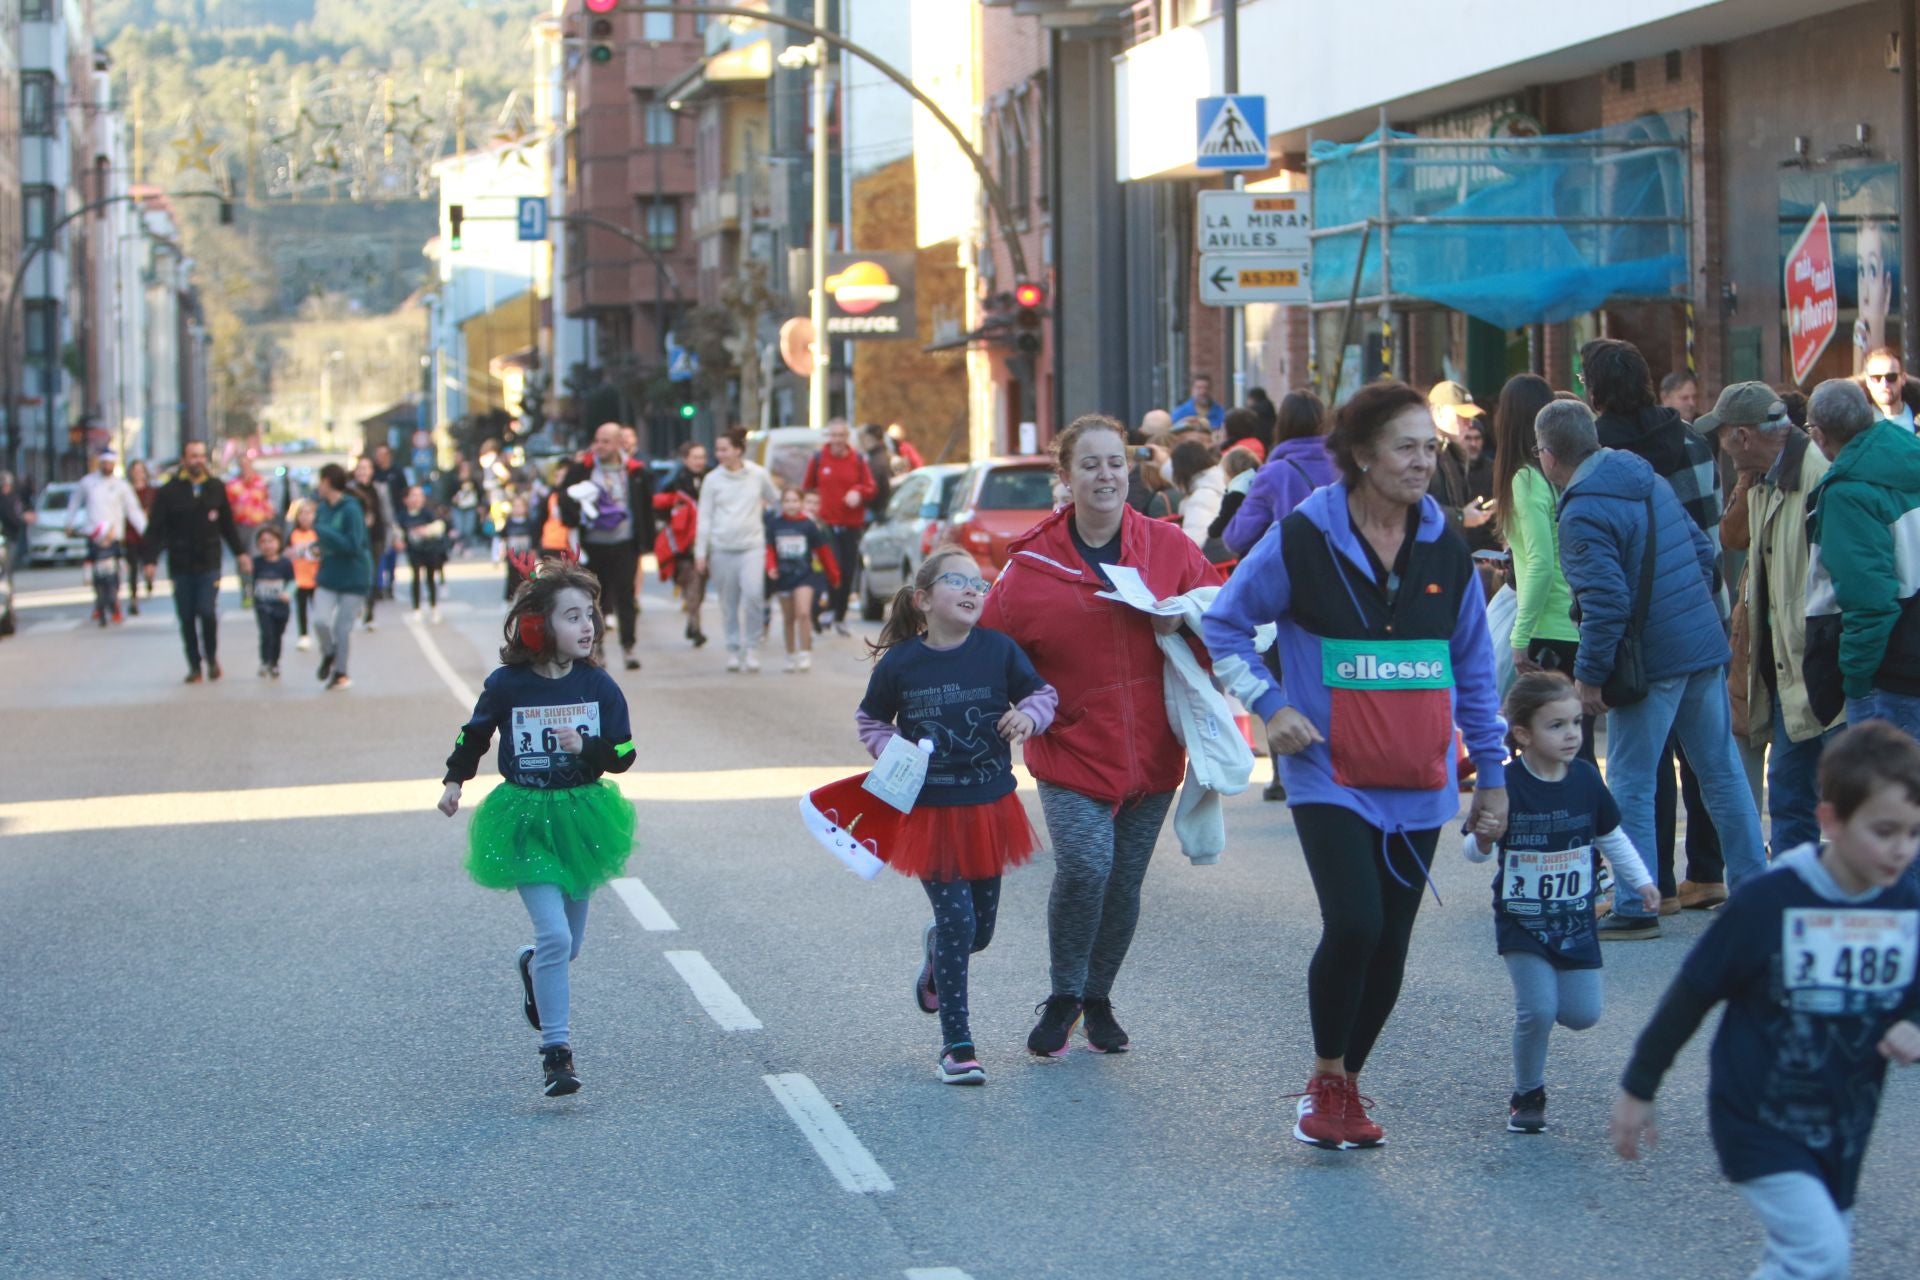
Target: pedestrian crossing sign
(1232,132)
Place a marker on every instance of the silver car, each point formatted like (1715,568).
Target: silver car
(912,525)
(50,540)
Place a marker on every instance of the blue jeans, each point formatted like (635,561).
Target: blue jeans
(1901,710)
(1694,709)
(1792,789)
(196,603)
(559,927)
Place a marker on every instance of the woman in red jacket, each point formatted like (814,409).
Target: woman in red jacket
(1109,767)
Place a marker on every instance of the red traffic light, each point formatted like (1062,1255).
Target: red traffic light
(602,6)
(1029,294)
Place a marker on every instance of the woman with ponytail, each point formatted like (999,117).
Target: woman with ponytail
(972,693)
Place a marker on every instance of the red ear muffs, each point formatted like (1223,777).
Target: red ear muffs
(533,632)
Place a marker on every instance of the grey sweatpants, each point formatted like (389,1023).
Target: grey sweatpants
(1099,859)
(1544,994)
(740,577)
(559,927)
(1809,1237)
(333,617)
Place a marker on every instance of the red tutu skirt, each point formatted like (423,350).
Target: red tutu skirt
(963,841)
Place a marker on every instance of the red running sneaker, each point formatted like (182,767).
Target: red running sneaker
(1320,1118)
(1362,1131)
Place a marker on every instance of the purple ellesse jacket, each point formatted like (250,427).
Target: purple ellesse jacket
(1293,470)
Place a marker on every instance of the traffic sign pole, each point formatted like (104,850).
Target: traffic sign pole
(1236,316)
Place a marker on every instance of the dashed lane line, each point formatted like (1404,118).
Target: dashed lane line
(713,993)
(851,1164)
(645,907)
(937,1273)
(462,691)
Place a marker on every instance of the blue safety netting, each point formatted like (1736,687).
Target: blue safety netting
(1510,273)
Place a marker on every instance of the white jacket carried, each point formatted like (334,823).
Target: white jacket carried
(1201,506)
(103,509)
(1219,761)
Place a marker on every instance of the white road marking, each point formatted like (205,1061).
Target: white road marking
(645,907)
(851,1164)
(713,993)
(52,625)
(462,692)
(937,1273)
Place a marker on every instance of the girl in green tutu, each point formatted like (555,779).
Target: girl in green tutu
(555,828)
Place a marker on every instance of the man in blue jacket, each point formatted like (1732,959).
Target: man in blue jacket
(1604,525)
(1201,404)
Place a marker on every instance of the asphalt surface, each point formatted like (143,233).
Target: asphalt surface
(257,1021)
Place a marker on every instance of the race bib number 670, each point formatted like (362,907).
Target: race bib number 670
(1558,875)
(1837,950)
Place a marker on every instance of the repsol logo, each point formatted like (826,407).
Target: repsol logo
(1367,666)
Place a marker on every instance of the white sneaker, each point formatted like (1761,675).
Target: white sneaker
(733,662)
(753,662)
(436,615)
(305,643)
(792,664)
(805,661)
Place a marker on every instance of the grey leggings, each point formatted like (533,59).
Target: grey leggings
(333,616)
(1099,859)
(1809,1237)
(559,927)
(1544,994)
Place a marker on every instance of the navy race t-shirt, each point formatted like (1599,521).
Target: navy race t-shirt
(955,697)
(1543,894)
(1812,984)
(527,710)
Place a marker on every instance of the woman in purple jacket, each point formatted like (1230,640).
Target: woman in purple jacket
(1298,464)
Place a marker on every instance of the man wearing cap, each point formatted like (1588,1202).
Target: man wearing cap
(106,505)
(1753,430)
(1451,405)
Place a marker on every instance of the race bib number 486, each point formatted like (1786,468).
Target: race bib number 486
(536,732)
(1830,955)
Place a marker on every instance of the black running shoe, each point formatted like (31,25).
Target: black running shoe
(326,668)
(1049,1036)
(557,1062)
(529,1008)
(926,997)
(1527,1112)
(1104,1035)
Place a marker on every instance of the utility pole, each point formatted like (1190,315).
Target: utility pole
(822,345)
(1236,316)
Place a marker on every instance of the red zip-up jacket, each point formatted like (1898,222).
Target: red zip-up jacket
(833,478)
(1110,739)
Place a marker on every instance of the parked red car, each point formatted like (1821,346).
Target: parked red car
(996,502)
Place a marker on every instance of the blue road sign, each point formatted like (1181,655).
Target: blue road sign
(533,217)
(1232,132)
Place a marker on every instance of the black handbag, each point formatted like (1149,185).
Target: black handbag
(1627,683)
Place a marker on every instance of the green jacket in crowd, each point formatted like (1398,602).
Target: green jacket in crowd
(1863,590)
(345,565)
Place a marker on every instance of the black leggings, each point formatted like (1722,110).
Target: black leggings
(430,567)
(302,598)
(964,912)
(1366,918)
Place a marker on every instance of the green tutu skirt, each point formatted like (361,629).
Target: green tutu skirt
(575,837)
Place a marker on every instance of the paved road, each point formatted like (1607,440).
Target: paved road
(256,1021)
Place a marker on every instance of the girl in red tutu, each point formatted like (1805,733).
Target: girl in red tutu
(973,694)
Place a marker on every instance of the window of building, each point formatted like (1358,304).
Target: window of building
(42,340)
(1011,166)
(36,209)
(660,125)
(700,21)
(36,10)
(660,224)
(656,26)
(1041,119)
(36,102)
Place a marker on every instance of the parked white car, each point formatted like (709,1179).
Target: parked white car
(912,525)
(50,541)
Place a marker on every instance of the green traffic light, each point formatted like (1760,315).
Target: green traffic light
(686,411)
(602,53)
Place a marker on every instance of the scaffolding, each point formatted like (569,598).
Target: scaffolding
(1515,231)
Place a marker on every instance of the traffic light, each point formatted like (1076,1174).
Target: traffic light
(687,410)
(600,30)
(456,214)
(1029,301)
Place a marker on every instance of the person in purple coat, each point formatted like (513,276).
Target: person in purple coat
(1298,464)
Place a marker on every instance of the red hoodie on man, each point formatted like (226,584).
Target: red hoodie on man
(1110,739)
(833,477)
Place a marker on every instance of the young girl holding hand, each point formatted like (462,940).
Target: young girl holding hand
(555,828)
(973,693)
(1558,813)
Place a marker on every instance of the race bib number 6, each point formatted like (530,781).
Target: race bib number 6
(536,731)
(1840,950)
(1557,875)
